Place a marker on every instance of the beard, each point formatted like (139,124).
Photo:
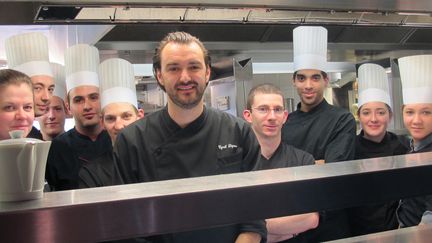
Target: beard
(88,124)
(187,101)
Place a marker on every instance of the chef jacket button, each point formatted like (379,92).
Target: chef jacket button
(158,151)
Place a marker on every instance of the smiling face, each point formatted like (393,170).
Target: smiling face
(16,109)
(117,116)
(43,86)
(84,105)
(267,115)
(52,123)
(310,85)
(418,120)
(183,74)
(374,118)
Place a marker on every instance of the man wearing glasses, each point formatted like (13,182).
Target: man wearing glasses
(266,114)
(325,131)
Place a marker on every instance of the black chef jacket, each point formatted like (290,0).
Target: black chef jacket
(374,218)
(35,133)
(327,132)
(67,153)
(411,210)
(285,156)
(155,148)
(98,172)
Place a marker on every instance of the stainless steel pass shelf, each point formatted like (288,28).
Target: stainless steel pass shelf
(125,211)
(416,234)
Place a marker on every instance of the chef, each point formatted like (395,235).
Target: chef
(374,140)
(325,131)
(87,140)
(53,121)
(186,138)
(266,114)
(416,72)
(119,108)
(28,53)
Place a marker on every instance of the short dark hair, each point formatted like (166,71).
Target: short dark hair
(324,74)
(10,76)
(178,37)
(262,89)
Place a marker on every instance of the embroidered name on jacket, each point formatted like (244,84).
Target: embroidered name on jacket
(227,146)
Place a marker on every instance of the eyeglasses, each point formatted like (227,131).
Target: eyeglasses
(264,110)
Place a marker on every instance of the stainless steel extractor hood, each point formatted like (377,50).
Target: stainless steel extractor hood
(208,12)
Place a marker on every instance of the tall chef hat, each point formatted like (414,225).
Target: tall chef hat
(416,77)
(81,66)
(28,53)
(117,82)
(310,47)
(60,83)
(373,84)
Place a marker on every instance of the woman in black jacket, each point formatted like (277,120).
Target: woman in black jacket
(417,114)
(374,140)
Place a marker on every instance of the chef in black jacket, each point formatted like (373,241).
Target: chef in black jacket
(374,140)
(119,109)
(186,138)
(266,114)
(87,140)
(416,80)
(325,131)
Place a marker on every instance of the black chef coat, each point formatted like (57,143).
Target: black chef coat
(67,153)
(155,148)
(285,156)
(35,133)
(374,218)
(98,172)
(327,132)
(411,210)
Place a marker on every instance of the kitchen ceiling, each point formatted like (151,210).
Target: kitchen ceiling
(358,30)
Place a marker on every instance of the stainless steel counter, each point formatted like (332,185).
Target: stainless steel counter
(417,234)
(124,211)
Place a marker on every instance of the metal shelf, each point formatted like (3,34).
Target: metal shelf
(125,211)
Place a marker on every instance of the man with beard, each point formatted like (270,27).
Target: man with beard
(325,131)
(87,140)
(266,113)
(187,139)
(119,109)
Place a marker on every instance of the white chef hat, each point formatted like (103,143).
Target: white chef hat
(60,82)
(310,47)
(81,66)
(117,82)
(416,77)
(28,53)
(373,84)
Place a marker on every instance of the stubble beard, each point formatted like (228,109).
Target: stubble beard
(89,124)
(188,103)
